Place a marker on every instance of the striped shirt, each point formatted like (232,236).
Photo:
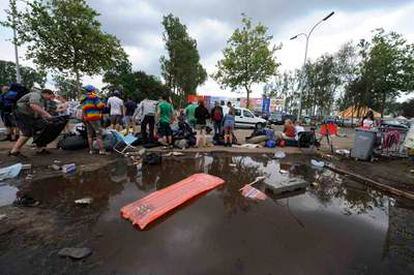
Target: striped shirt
(92,107)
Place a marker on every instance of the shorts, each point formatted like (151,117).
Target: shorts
(9,120)
(229,128)
(28,125)
(165,129)
(94,128)
(116,119)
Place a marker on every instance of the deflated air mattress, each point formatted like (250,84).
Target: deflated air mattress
(153,206)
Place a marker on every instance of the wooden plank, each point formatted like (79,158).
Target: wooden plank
(383,187)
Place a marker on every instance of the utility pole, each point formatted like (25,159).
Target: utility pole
(16,50)
(307,35)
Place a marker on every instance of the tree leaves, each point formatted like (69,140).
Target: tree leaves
(248,58)
(182,70)
(65,36)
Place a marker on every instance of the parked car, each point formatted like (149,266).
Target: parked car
(245,118)
(276,118)
(347,122)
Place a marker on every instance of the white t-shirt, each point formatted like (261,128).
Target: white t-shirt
(115,104)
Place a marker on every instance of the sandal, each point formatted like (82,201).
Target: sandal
(26,201)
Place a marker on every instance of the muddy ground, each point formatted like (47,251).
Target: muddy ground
(220,233)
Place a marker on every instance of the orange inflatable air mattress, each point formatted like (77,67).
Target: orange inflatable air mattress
(153,206)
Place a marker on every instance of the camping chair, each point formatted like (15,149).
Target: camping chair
(123,140)
(327,130)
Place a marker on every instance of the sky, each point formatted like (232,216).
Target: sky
(137,23)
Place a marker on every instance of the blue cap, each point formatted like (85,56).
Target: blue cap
(89,88)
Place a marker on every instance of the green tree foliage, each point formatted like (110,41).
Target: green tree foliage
(248,58)
(29,75)
(181,70)
(66,87)
(65,36)
(321,83)
(407,108)
(137,85)
(387,67)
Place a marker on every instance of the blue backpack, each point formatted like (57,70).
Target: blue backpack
(9,99)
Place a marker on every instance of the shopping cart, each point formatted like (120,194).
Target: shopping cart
(390,141)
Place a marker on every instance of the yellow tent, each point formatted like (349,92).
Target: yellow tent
(357,112)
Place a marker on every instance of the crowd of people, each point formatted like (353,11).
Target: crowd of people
(24,112)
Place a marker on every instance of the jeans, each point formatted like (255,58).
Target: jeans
(150,121)
(217,127)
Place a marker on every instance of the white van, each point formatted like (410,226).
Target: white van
(244,117)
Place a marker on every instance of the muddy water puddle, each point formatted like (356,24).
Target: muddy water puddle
(336,226)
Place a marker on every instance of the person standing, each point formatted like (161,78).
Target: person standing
(217,117)
(92,107)
(146,113)
(165,115)
(30,114)
(201,114)
(189,113)
(130,107)
(8,100)
(229,122)
(116,106)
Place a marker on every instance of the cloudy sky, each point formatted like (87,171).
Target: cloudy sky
(137,23)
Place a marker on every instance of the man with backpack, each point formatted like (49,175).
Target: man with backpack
(217,117)
(30,114)
(8,100)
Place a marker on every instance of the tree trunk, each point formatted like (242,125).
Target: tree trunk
(248,97)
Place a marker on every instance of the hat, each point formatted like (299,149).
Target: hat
(89,88)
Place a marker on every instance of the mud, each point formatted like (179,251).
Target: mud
(336,226)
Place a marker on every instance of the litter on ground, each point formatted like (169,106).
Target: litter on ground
(317,164)
(86,200)
(155,205)
(10,172)
(279,155)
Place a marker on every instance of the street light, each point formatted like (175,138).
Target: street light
(306,53)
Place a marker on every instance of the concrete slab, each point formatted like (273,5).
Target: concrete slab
(285,184)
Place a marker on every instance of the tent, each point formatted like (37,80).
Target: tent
(357,112)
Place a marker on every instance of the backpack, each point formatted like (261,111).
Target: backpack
(217,115)
(306,139)
(9,99)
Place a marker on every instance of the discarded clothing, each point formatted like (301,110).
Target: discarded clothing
(10,171)
(155,205)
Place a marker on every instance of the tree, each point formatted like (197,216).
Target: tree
(181,70)
(407,108)
(321,83)
(248,58)
(65,36)
(387,67)
(137,85)
(29,76)
(66,86)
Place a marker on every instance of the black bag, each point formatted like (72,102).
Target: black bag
(306,139)
(152,159)
(73,142)
(50,131)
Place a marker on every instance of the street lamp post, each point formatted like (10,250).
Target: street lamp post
(13,8)
(306,54)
